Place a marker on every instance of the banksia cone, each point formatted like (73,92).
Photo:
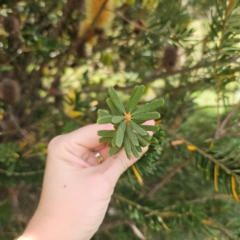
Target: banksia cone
(10,91)
(75,4)
(129,131)
(170,58)
(10,24)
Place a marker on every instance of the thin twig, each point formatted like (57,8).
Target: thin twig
(199,200)
(210,157)
(22,174)
(166,178)
(221,128)
(108,226)
(223,230)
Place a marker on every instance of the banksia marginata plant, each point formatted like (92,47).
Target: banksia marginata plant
(129,131)
(10,91)
(170,58)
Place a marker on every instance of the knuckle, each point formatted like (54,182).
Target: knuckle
(55,142)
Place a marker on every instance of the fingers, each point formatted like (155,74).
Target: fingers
(87,136)
(114,166)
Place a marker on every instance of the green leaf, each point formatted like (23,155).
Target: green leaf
(149,107)
(113,142)
(145,117)
(139,149)
(153,140)
(120,133)
(137,128)
(116,100)
(132,136)
(113,151)
(105,119)
(106,133)
(105,139)
(118,119)
(127,147)
(150,128)
(143,142)
(135,97)
(112,107)
(102,113)
(147,137)
(134,151)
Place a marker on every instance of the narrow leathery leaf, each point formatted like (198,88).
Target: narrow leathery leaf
(113,151)
(132,136)
(234,188)
(135,97)
(154,140)
(127,147)
(137,128)
(137,174)
(105,139)
(216,178)
(117,119)
(114,141)
(105,119)
(147,137)
(106,133)
(120,133)
(134,151)
(145,117)
(112,107)
(150,128)
(143,142)
(149,107)
(139,149)
(102,113)
(116,100)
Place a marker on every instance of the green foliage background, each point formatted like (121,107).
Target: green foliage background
(191,179)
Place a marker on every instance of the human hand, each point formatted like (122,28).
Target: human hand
(77,188)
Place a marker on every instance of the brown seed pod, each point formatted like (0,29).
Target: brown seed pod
(15,43)
(10,24)
(75,4)
(10,91)
(170,58)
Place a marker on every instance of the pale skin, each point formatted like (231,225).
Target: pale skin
(76,188)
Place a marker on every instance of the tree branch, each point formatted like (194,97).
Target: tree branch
(166,178)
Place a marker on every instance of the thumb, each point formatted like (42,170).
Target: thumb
(115,165)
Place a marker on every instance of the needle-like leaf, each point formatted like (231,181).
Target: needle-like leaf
(150,128)
(113,151)
(149,107)
(137,128)
(143,142)
(132,137)
(102,113)
(134,151)
(144,117)
(127,146)
(120,133)
(112,107)
(117,119)
(106,133)
(105,139)
(116,100)
(135,97)
(105,119)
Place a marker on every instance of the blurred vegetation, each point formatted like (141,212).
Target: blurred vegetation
(57,59)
